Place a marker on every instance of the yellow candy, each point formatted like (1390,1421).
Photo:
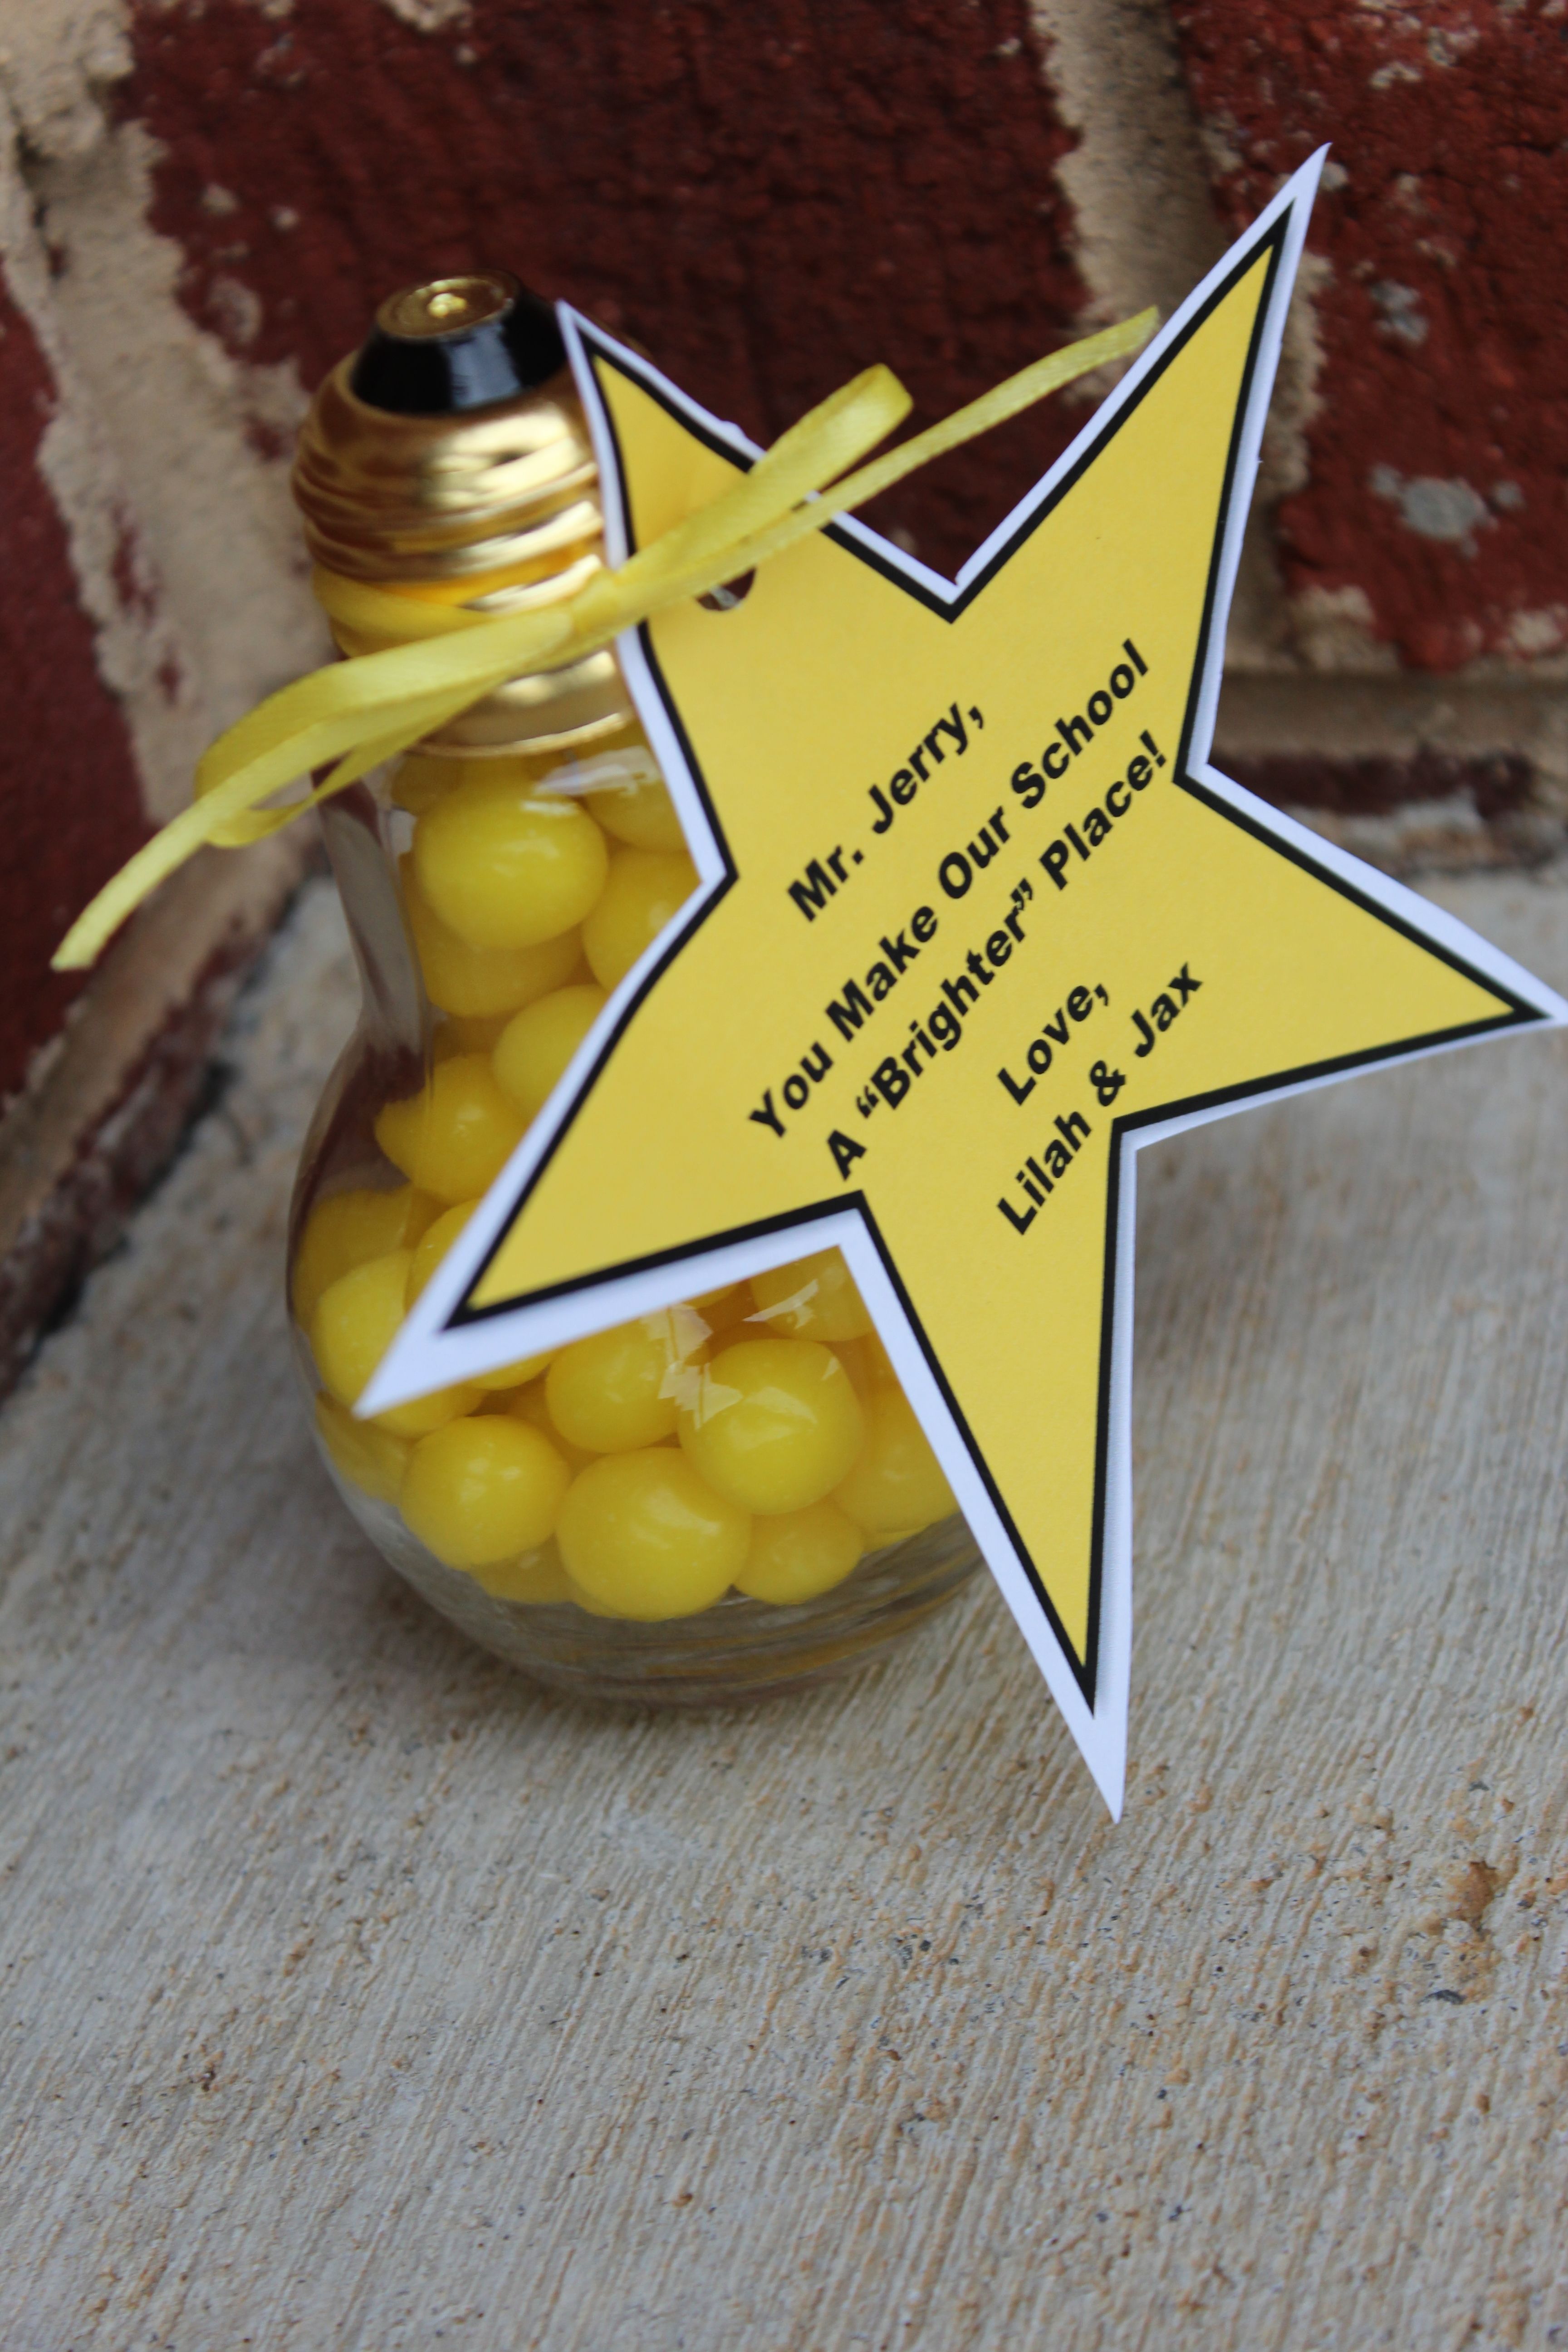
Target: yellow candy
(433,1246)
(802,1553)
(369,1458)
(643,1536)
(454,1137)
(346,1229)
(585,1600)
(432,1249)
(868,1363)
(475,982)
(530,1404)
(536,1578)
(621,1389)
(897,1486)
(536,1044)
(483,1490)
(774,1425)
(644,888)
(641,815)
(506,866)
(467,1034)
(722,1309)
(813,1298)
(421,778)
(356,1322)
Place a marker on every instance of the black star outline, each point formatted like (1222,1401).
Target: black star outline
(451,1307)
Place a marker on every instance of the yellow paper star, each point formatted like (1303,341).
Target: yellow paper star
(978,920)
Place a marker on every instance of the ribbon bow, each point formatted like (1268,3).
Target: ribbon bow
(439,659)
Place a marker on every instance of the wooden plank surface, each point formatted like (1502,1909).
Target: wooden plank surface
(354,1993)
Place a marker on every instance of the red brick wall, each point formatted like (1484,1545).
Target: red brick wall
(768,197)
(1439,456)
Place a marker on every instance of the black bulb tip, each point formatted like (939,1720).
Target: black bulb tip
(456,344)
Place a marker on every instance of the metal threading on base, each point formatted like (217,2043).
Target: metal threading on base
(494,506)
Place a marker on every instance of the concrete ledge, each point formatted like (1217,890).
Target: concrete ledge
(354,1993)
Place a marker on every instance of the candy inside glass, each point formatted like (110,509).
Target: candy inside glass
(725,1498)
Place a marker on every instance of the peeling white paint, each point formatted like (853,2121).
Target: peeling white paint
(1449,512)
(1144,227)
(182,414)
(1335,629)
(1447,45)
(1399,311)
(182,535)
(430,15)
(57,58)
(1538,633)
(238,309)
(138,650)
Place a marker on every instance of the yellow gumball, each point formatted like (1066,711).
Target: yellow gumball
(421,777)
(643,1536)
(475,982)
(454,1137)
(774,1424)
(813,1298)
(585,1601)
(467,1034)
(642,814)
(530,1404)
(897,1486)
(508,1379)
(868,1363)
(433,1244)
(504,866)
(536,1579)
(346,1229)
(356,1320)
(483,1490)
(370,1458)
(620,1389)
(722,1309)
(645,889)
(432,1247)
(800,1554)
(536,1044)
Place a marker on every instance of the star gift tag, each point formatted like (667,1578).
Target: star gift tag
(977,919)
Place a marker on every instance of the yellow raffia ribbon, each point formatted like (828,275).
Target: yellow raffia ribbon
(438,659)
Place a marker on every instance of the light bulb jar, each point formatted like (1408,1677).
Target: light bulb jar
(722,1500)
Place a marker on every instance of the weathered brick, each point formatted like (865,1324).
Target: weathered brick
(768,199)
(1436,501)
(70,801)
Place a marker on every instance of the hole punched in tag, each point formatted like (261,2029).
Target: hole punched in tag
(724,599)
